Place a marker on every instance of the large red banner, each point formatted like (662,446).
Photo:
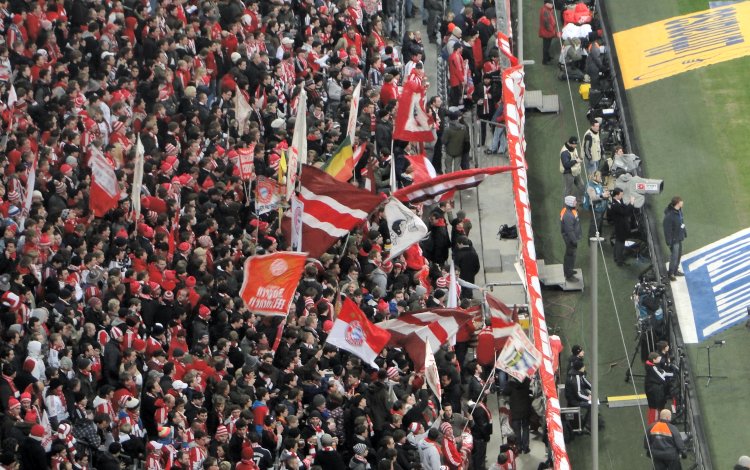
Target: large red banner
(513,97)
(270,282)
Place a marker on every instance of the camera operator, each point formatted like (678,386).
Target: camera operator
(598,202)
(594,64)
(621,213)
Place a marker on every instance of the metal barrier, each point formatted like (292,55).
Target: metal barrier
(689,401)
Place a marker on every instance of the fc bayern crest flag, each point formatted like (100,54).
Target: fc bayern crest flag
(270,282)
(353,332)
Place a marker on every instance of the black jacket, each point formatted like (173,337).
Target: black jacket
(436,247)
(621,213)
(577,388)
(31,455)
(664,441)
(656,386)
(519,399)
(467,260)
(674,231)
(330,460)
(377,401)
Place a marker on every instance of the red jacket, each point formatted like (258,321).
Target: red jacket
(388,92)
(456,68)
(547,23)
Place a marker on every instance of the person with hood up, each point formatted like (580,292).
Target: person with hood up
(35,353)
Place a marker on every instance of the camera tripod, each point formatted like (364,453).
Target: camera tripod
(645,336)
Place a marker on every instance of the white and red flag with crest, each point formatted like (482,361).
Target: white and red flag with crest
(353,332)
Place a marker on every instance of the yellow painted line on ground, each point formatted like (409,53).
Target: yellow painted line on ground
(665,48)
(626,397)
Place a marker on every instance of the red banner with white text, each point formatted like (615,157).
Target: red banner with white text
(513,98)
(270,282)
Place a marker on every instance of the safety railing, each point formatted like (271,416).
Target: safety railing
(693,419)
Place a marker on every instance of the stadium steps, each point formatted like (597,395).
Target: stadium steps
(535,99)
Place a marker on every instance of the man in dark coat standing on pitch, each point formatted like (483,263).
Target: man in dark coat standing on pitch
(621,213)
(674,234)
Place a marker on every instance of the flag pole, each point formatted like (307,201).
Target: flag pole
(486,382)
(393,170)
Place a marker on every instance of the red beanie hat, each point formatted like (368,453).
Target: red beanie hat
(37,431)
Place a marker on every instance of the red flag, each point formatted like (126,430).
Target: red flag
(413,330)
(332,209)
(246,161)
(353,332)
(412,123)
(270,288)
(423,168)
(105,192)
(448,182)
(501,321)
(424,171)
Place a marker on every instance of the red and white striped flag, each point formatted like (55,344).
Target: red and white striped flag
(331,210)
(420,192)
(502,320)
(414,330)
(353,332)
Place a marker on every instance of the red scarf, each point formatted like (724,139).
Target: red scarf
(12,385)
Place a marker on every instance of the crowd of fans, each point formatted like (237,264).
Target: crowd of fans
(123,339)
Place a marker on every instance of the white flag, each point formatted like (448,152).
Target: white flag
(29,193)
(135,194)
(297,154)
(351,126)
(431,374)
(519,358)
(12,97)
(241,110)
(405,227)
(452,288)
(298,210)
